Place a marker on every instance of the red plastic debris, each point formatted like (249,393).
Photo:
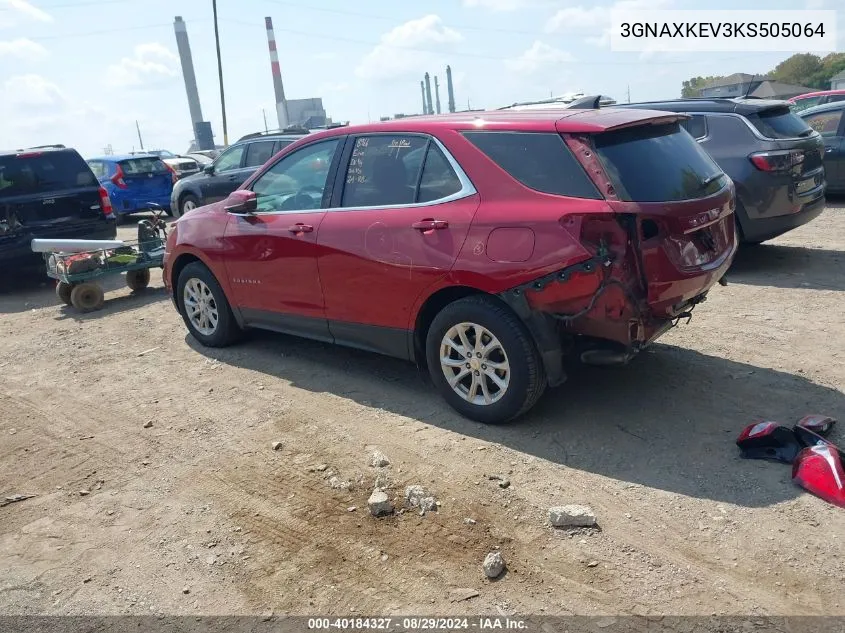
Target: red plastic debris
(818,469)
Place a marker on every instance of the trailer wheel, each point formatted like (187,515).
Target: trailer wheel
(138,279)
(63,291)
(87,297)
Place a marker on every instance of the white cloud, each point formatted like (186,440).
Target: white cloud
(407,49)
(497,5)
(594,22)
(151,63)
(31,91)
(328,86)
(26,9)
(24,49)
(538,57)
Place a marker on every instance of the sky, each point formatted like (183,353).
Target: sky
(82,72)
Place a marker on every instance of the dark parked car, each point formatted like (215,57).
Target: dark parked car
(773,157)
(229,170)
(49,192)
(479,245)
(829,121)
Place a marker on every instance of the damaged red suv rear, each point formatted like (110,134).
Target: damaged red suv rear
(483,246)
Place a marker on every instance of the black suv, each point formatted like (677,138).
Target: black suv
(771,154)
(230,170)
(49,192)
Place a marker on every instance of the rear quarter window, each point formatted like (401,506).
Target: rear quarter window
(539,160)
(657,163)
(779,123)
(44,172)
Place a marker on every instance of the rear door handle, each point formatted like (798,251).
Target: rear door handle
(301,228)
(430,225)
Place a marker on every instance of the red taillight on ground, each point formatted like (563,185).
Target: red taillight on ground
(779,160)
(105,203)
(820,424)
(818,469)
(768,440)
(117,179)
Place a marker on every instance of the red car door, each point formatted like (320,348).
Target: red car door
(400,213)
(271,255)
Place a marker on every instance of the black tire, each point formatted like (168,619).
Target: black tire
(527,380)
(187,198)
(226,330)
(138,279)
(63,291)
(87,297)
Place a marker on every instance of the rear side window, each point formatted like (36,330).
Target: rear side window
(657,163)
(696,126)
(382,170)
(38,173)
(100,169)
(540,161)
(258,153)
(779,123)
(438,179)
(142,166)
(279,145)
(825,123)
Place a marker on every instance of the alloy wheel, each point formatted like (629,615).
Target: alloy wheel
(475,364)
(200,306)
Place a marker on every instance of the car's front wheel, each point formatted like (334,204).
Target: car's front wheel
(204,307)
(188,202)
(484,361)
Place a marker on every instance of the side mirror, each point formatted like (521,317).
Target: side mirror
(241,202)
(208,169)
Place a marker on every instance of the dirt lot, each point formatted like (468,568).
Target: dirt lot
(127,518)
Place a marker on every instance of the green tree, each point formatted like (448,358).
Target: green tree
(800,69)
(692,87)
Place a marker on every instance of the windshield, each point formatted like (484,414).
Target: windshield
(38,173)
(658,163)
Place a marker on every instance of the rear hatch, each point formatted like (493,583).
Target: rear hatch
(797,157)
(146,178)
(44,190)
(675,202)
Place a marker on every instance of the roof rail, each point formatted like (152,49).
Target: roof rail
(53,146)
(591,102)
(291,129)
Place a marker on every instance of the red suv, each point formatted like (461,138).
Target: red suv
(483,246)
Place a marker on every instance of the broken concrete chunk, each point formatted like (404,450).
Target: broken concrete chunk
(148,424)
(493,565)
(379,460)
(318,468)
(572,516)
(339,484)
(428,504)
(379,504)
(277,446)
(414,496)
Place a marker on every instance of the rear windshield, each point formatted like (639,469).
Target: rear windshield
(138,166)
(779,123)
(38,173)
(658,163)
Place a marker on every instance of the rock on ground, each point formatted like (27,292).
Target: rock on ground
(417,497)
(572,516)
(493,565)
(379,503)
(379,460)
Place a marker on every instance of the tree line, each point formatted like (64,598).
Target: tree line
(802,69)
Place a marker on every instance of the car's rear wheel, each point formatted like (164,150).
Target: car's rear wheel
(188,202)
(204,307)
(483,360)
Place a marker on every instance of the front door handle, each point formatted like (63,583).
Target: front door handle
(430,225)
(301,228)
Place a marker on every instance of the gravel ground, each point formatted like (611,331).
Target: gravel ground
(199,513)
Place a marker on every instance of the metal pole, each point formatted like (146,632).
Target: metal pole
(220,75)
(140,140)
(266,129)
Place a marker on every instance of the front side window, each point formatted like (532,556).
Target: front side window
(230,159)
(383,171)
(539,160)
(297,181)
(825,123)
(657,163)
(803,104)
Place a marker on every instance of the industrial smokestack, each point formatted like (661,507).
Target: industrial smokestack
(188,70)
(428,94)
(278,87)
(422,91)
(437,93)
(449,89)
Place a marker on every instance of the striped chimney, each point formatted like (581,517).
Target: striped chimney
(278,87)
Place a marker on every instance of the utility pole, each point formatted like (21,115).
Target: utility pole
(220,75)
(140,140)
(629,93)
(264,114)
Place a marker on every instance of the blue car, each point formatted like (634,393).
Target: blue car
(134,182)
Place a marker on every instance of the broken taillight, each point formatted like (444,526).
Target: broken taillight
(767,440)
(818,469)
(820,424)
(808,437)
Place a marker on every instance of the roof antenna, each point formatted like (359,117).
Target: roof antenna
(750,83)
